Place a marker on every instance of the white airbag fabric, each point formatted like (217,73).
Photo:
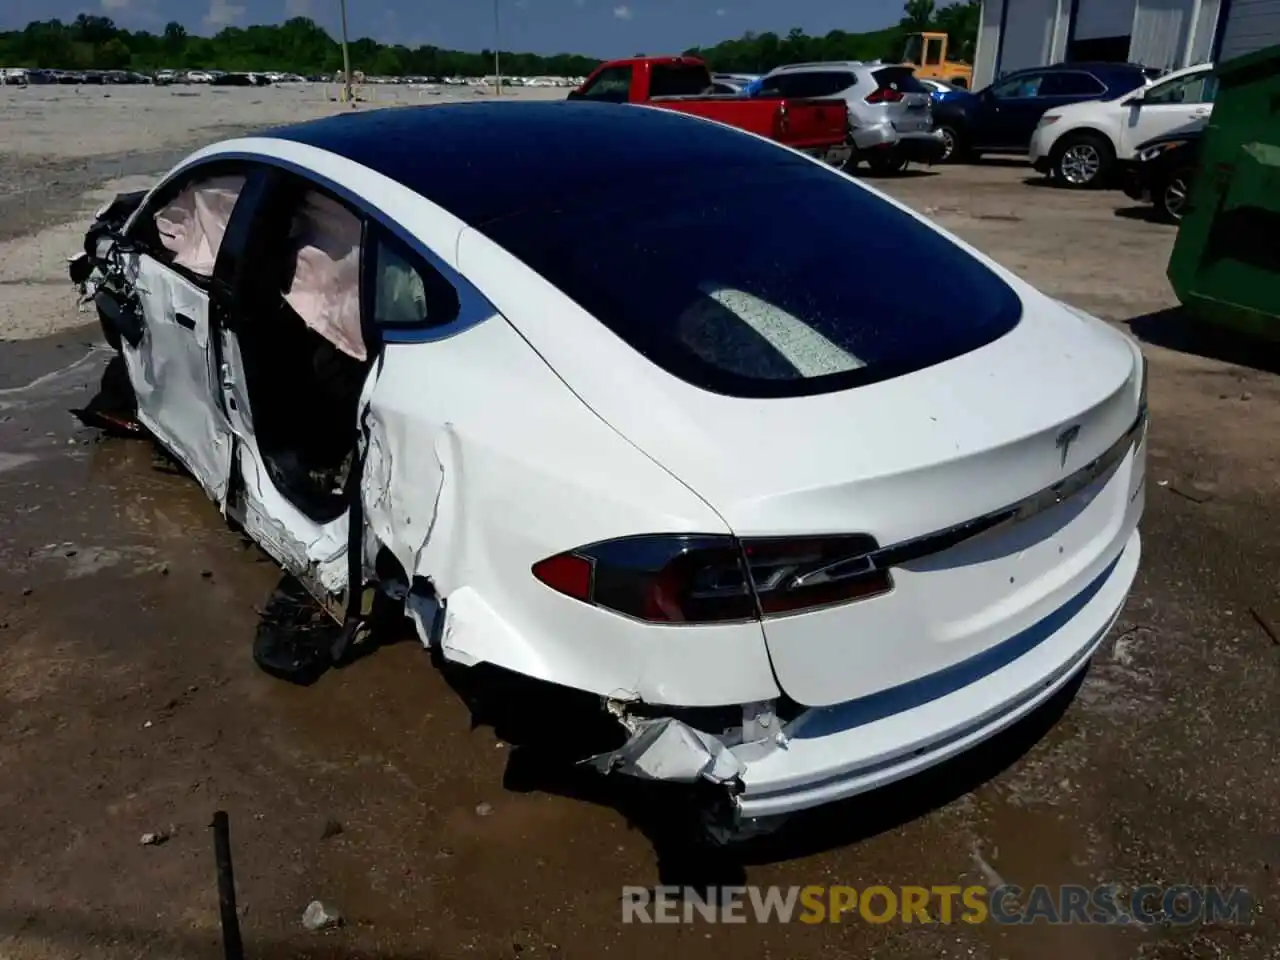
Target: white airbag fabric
(193,223)
(325,291)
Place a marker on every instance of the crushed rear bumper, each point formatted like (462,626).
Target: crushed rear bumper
(832,753)
(837,752)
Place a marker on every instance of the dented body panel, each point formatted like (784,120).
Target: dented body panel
(521,428)
(482,462)
(171,371)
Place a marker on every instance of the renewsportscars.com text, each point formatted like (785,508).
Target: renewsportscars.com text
(1008,904)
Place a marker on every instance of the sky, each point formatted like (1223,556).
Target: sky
(603,28)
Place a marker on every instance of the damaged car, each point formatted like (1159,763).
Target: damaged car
(795,534)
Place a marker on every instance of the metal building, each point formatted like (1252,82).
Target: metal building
(1015,34)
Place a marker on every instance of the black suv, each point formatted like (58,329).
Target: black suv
(1001,118)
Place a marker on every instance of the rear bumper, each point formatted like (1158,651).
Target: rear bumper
(832,753)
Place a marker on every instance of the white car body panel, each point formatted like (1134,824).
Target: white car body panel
(434,416)
(171,370)
(1124,122)
(831,754)
(528,428)
(934,463)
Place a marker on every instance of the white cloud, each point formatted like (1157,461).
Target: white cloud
(223,13)
(116,4)
(297,8)
(622,13)
(721,11)
(580,3)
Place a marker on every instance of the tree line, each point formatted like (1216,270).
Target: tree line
(302,46)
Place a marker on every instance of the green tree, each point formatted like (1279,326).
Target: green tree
(112,55)
(918,15)
(300,45)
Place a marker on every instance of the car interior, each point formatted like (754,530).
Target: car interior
(297,318)
(298,322)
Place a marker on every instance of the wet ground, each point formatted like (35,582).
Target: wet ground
(129,704)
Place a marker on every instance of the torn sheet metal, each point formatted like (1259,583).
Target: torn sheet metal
(667,749)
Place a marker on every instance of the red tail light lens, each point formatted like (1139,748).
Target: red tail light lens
(883,95)
(714,579)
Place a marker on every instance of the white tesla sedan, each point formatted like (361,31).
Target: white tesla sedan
(808,515)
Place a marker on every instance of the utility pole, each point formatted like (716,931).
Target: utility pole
(346,55)
(497,55)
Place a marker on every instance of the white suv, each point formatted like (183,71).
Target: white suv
(890,111)
(1078,145)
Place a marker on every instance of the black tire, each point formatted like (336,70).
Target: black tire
(887,163)
(109,332)
(1170,199)
(1082,161)
(954,150)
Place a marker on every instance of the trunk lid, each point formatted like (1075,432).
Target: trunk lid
(802,394)
(913,112)
(909,458)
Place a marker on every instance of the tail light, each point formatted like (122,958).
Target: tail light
(883,95)
(713,579)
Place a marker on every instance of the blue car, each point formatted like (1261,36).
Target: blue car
(1002,117)
(942,92)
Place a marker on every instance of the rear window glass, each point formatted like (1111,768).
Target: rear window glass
(683,80)
(837,289)
(901,79)
(815,84)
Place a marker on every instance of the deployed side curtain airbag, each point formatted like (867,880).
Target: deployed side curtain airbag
(192,225)
(325,290)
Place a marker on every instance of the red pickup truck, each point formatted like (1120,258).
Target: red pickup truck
(819,127)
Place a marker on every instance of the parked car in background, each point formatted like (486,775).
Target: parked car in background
(734,83)
(1163,169)
(792,534)
(944,95)
(889,111)
(1079,145)
(241,80)
(1002,118)
(940,90)
(684,84)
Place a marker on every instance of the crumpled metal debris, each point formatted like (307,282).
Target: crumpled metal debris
(667,749)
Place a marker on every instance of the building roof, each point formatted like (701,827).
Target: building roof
(483,161)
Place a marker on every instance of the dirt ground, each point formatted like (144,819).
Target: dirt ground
(129,702)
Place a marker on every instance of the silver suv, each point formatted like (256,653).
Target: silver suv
(890,111)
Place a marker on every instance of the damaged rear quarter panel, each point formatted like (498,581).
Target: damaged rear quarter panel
(481,463)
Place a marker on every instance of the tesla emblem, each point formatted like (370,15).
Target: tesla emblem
(1064,441)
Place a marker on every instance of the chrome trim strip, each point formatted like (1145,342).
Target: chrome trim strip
(894,555)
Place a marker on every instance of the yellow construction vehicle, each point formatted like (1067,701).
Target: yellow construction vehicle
(927,52)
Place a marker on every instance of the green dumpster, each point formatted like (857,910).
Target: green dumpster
(1225,266)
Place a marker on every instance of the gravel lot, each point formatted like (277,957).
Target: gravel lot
(129,702)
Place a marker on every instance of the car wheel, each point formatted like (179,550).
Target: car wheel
(1171,199)
(952,149)
(1082,161)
